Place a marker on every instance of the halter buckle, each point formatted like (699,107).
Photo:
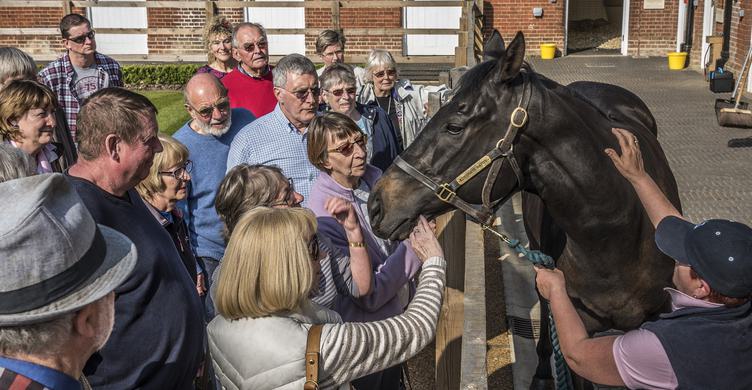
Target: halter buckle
(445,193)
(513,117)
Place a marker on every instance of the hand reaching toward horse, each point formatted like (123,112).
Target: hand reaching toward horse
(344,212)
(424,242)
(629,163)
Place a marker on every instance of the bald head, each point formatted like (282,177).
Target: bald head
(202,84)
(207,102)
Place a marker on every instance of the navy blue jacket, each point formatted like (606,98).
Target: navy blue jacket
(384,137)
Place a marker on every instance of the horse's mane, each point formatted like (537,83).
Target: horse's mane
(478,73)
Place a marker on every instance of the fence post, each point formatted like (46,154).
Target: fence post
(211,10)
(66,7)
(335,16)
(451,227)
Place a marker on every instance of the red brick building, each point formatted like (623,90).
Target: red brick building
(173,33)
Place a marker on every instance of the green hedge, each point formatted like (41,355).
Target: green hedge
(158,75)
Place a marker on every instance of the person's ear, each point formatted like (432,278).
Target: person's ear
(112,146)
(278,95)
(702,291)
(85,321)
(235,54)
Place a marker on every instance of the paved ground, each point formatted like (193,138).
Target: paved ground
(714,180)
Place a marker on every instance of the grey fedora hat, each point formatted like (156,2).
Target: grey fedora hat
(55,258)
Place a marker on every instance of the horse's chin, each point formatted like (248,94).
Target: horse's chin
(399,232)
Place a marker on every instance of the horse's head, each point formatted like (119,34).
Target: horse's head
(461,132)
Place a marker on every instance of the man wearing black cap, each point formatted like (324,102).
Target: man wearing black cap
(60,269)
(704,343)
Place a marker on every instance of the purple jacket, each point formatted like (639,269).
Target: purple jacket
(391,271)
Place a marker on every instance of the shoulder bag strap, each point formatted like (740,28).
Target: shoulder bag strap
(313,347)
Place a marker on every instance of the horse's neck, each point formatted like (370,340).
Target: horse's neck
(571,173)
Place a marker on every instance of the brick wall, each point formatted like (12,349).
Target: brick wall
(652,31)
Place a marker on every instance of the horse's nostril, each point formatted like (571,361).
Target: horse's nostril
(374,210)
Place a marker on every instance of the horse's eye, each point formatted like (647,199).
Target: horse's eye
(454,129)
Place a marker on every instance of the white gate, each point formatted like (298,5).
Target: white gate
(120,17)
(280,18)
(431,17)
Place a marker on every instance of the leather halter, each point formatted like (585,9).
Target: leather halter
(504,150)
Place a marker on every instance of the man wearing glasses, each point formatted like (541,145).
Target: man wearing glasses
(250,86)
(208,136)
(81,71)
(280,137)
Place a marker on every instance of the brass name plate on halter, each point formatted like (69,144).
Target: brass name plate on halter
(469,173)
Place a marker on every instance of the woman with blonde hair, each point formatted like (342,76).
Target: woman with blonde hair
(218,41)
(258,340)
(27,122)
(166,185)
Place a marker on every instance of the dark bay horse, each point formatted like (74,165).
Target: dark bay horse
(578,207)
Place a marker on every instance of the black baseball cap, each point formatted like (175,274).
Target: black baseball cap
(719,250)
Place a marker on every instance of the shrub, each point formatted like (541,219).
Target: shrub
(158,76)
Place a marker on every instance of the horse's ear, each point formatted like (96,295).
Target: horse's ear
(494,47)
(513,58)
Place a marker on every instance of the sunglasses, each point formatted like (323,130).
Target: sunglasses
(340,92)
(81,39)
(390,72)
(206,112)
(313,248)
(302,95)
(248,46)
(348,147)
(180,172)
(332,53)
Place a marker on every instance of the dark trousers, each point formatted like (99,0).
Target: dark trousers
(210,265)
(389,379)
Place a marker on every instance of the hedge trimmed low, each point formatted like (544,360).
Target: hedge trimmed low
(159,76)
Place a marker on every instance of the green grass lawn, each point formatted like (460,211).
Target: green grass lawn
(172,114)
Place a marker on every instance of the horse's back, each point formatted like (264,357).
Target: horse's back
(622,107)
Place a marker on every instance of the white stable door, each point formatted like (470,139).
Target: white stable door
(280,18)
(120,17)
(431,17)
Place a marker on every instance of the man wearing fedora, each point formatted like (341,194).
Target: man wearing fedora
(59,272)
(158,338)
(704,342)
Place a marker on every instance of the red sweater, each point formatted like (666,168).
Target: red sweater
(255,95)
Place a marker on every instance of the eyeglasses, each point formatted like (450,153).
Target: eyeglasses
(81,39)
(180,172)
(248,46)
(388,72)
(289,199)
(206,112)
(313,248)
(340,92)
(348,147)
(302,95)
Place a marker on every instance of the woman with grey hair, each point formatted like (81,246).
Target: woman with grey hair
(15,65)
(338,86)
(401,100)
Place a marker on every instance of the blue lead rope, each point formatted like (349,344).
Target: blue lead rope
(563,376)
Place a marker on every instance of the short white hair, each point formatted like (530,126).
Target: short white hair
(43,338)
(16,63)
(379,58)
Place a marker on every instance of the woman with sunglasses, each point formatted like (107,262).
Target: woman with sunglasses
(337,147)
(401,100)
(258,340)
(218,41)
(166,185)
(338,85)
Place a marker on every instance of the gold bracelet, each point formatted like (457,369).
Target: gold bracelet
(354,244)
